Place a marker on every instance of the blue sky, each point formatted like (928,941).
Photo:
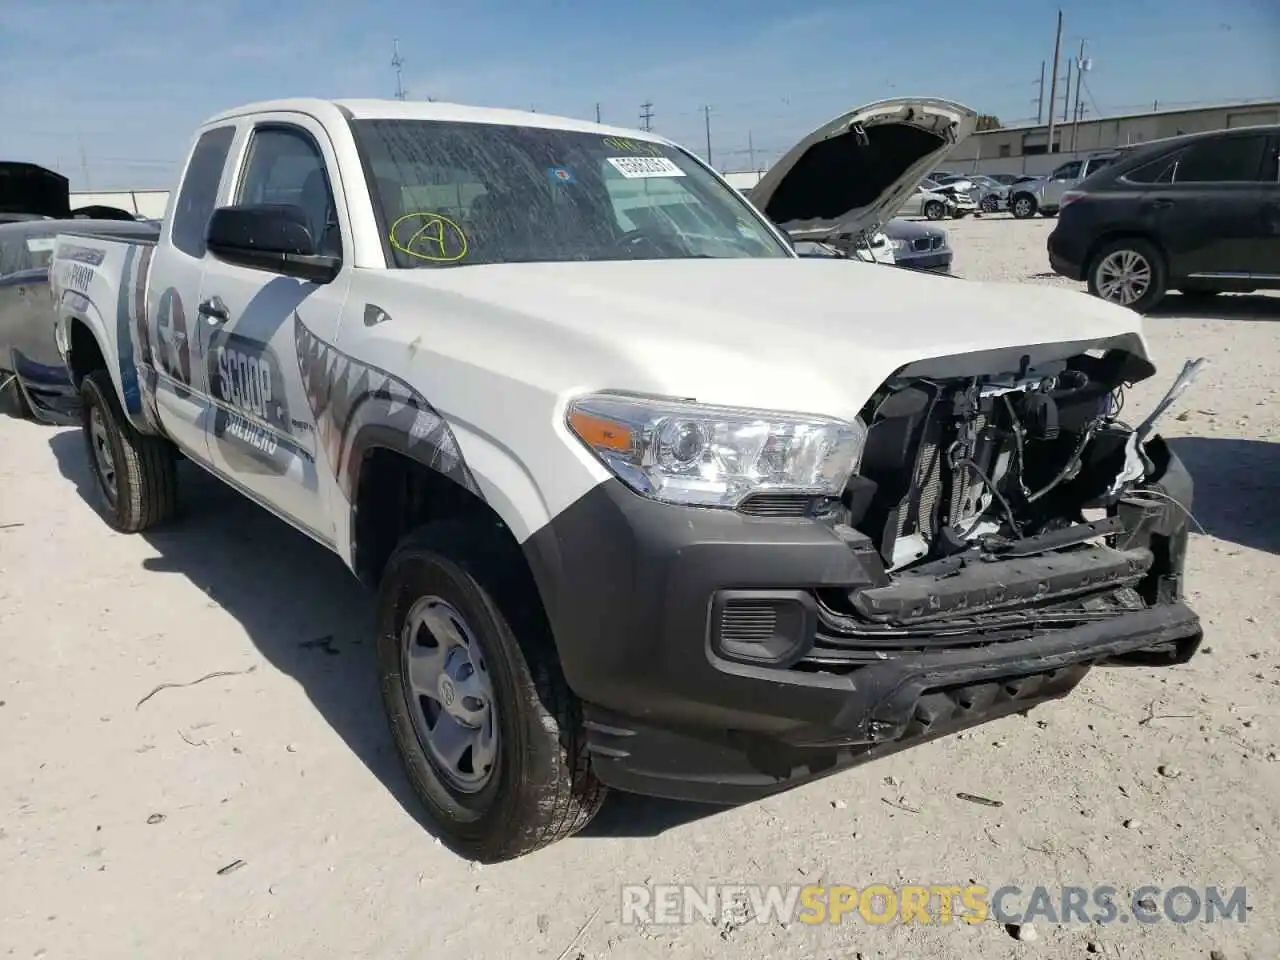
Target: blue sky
(117,86)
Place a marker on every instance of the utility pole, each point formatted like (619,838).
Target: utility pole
(397,63)
(751,150)
(1066,97)
(1053,88)
(1040,99)
(597,113)
(1082,65)
(706,113)
(646,116)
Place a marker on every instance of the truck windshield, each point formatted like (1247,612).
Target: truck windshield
(453,194)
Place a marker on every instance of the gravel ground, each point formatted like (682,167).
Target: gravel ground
(117,819)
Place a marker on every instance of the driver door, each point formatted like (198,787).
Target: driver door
(262,436)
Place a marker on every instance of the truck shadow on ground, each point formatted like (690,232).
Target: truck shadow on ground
(313,621)
(1235,496)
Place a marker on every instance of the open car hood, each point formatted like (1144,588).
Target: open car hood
(854,172)
(32,189)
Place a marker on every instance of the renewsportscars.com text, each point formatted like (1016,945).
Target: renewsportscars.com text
(669,904)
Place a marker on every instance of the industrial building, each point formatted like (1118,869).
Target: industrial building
(1024,149)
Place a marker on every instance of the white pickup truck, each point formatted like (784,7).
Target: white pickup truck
(650,502)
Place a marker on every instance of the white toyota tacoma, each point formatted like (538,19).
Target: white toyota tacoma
(649,501)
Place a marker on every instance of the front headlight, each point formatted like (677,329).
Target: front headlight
(897,244)
(692,453)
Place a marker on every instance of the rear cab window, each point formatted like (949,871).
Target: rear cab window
(198,194)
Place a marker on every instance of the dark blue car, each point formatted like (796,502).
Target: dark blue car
(33,381)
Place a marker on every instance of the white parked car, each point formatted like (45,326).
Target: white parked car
(935,202)
(649,501)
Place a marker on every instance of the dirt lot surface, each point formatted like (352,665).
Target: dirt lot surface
(120,819)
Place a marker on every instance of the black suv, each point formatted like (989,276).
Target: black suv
(1198,213)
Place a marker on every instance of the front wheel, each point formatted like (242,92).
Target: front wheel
(935,210)
(1129,272)
(990,203)
(135,474)
(485,724)
(1024,206)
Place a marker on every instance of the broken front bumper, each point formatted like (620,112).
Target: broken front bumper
(722,657)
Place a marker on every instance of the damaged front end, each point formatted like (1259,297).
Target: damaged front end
(1003,512)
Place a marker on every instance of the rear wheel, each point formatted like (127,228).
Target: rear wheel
(485,724)
(1049,213)
(1130,272)
(135,474)
(935,210)
(1024,206)
(990,203)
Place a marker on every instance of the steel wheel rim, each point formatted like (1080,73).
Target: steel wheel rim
(1022,206)
(934,210)
(449,694)
(1124,277)
(104,460)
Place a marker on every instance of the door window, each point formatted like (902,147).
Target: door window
(1097,163)
(1222,160)
(199,192)
(285,166)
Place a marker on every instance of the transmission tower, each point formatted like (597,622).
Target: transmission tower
(397,63)
(646,115)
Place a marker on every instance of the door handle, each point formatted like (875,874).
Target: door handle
(1163,203)
(214,310)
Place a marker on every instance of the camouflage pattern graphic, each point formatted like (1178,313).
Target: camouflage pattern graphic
(346,395)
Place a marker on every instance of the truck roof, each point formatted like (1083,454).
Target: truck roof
(428,110)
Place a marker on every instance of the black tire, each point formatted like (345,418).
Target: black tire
(541,788)
(12,399)
(935,210)
(1023,206)
(1050,214)
(1148,253)
(145,489)
(990,203)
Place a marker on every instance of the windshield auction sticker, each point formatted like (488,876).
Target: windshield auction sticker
(635,168)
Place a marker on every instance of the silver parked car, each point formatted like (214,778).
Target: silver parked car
(32,373)
(1044,194)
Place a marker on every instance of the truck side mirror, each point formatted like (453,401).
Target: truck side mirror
(269,236)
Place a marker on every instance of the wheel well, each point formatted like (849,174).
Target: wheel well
(85,353)
(1111,237)
(396,494)
(1024,193)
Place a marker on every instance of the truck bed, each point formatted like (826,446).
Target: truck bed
(101,281)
